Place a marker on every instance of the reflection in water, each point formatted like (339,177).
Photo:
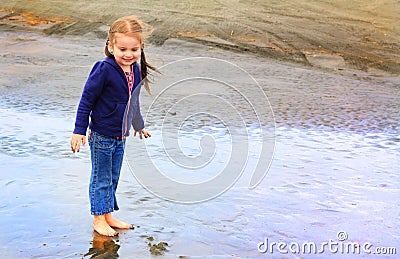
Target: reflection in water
(103,247)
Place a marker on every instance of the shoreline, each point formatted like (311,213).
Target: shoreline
(366,40)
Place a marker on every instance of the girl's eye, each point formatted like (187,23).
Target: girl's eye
(122,49)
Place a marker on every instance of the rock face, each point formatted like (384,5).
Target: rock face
(363,34)
(326,61)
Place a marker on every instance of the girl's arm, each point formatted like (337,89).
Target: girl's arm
(91,91)
(137,120)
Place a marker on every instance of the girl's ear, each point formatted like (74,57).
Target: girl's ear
(110,47)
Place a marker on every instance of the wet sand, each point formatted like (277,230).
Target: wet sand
(336,35)
(335,166)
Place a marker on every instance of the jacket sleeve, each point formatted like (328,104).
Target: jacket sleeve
(91,91)
(137,120)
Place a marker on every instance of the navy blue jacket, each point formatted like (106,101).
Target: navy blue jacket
(104,99)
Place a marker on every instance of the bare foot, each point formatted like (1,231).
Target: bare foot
(100,226)
(115,223)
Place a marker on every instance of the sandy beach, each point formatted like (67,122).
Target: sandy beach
(333,91)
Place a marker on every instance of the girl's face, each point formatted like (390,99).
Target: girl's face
(126,49)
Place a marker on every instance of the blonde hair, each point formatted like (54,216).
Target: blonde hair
(132,26)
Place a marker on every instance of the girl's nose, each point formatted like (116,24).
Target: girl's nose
(130,55)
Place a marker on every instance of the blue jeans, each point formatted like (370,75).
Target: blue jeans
(107,155)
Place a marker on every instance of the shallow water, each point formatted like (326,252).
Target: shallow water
(335,166)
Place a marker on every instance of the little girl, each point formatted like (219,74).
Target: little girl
(108,91)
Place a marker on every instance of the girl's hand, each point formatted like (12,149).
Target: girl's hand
(76,141)
(142,132)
